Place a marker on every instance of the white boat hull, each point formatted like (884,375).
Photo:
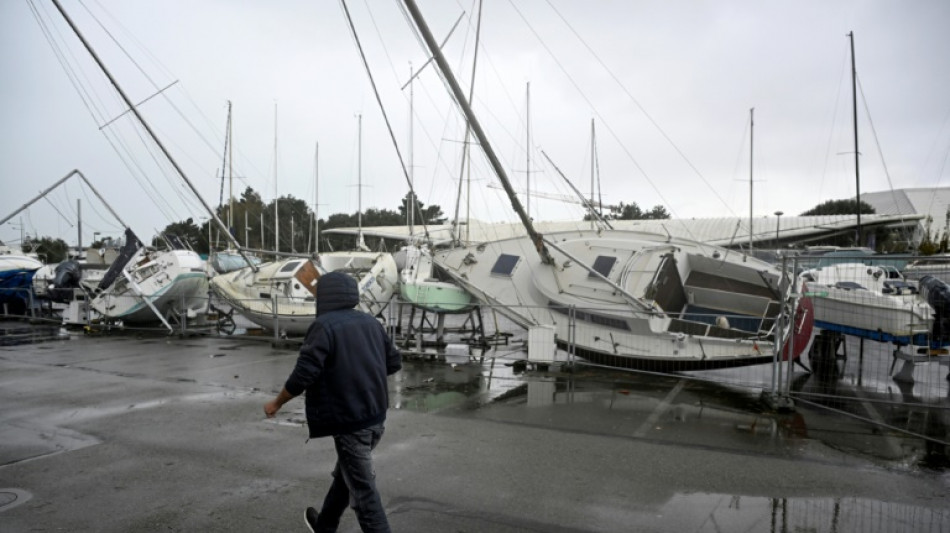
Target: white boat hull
(669,304)
(156,286)
(282,295)
(866,311)
(863,300)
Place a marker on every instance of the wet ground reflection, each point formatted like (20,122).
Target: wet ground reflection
(841,429)
(723,512)
(427,386)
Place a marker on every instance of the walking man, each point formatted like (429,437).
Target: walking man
(342,367)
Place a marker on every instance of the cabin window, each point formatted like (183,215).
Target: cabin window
(603,265)
(290,267)
(594,318)
(505,264)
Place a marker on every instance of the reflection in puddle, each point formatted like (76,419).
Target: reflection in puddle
(723,512)
(688,412)
(833,421)
(427,386)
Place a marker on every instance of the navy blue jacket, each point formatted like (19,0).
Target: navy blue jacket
(343,362)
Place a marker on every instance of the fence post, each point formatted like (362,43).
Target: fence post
(184,315)
(773,398)
(572,334)
(276,321)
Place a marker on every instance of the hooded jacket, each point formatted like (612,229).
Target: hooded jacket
(343,362)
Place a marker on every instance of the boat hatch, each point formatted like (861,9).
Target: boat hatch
(666,289)
(603,265)
(290,267)
(505,265)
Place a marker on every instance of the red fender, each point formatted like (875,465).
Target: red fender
(802,328)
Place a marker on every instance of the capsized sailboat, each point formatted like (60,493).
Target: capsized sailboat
(282,294)
(145,286)
(651,302)
(622,298)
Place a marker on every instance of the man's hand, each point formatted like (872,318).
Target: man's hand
(271,407)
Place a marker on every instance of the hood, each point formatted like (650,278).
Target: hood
(336,291)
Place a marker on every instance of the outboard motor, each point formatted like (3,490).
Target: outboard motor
(65,278)
(937,294)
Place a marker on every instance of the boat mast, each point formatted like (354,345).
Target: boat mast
(412,180)
(857,169)
(148,129)
(316,199)
(359,181)
(449,77)
(465,172)
(527,130)
(231,174)
(276,198)
(751,146)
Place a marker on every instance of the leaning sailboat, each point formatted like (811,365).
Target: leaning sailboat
(144,286)
(623,298)
(281,295)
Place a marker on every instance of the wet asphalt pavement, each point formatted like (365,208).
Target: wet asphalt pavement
(118,433)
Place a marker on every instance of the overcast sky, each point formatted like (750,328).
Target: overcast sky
(669,86)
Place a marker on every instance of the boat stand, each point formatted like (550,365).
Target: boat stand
(923,355)
(824,356)
(413,337)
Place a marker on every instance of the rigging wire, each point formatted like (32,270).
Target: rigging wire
(933,149)
(880,152)
(649,118)
(382,108)
(58,52)
(447,119)
(487,110)
(834,115)
(154,84)
(82,85)
(121,147)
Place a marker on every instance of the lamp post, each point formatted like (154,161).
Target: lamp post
(778,219)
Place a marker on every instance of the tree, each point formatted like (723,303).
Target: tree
(293,214)
(430,215)
(632,211)
(50,250)
(187,232)
(839,207)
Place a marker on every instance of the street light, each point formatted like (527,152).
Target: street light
(778,219)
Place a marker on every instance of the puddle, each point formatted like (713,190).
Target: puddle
(10,498)
(723,512)
(687,412)
(428,386)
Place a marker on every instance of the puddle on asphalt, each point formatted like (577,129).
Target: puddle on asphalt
(723,512)
(672,408)
(427,386)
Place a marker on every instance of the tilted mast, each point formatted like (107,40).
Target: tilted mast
(151,134)
(476,127)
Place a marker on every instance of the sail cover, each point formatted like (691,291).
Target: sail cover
(131,246)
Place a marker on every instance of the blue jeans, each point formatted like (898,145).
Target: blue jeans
(354,483)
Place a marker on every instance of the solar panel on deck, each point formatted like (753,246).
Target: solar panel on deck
(505,264)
